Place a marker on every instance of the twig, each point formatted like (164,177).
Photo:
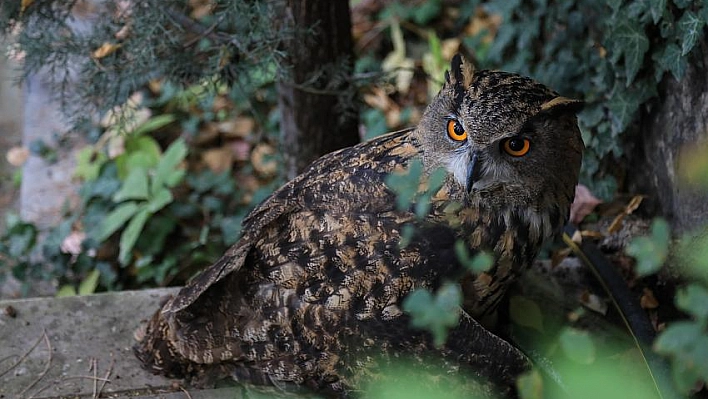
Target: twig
(108,374)
(46,368)
(60,380)
(186,392)
(94,366)
(22,358)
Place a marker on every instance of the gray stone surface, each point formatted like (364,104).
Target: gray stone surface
(678,121)
(82,334)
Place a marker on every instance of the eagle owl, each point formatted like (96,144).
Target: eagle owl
(318,277)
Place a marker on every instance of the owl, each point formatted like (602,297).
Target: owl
(316,282)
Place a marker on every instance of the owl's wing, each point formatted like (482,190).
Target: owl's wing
(307,191)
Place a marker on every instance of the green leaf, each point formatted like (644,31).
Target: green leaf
(135,186)
(683,3)
(66,290)
(436,314)
(167,166)
(670,59)
(525,312)
(630,40)
(159,200)
(116,219)
(130,235)
(530,385)
(690,28)
(426,11)
(140,152)
(89,284)
(651,252)
(479,263)
(577,345)
(625,103)
(693,299)
(686,343)
(88,163)
(154,123)
(657,7)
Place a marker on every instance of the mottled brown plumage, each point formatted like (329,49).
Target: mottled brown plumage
(315,284)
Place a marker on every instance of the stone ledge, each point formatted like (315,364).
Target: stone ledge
(80,347)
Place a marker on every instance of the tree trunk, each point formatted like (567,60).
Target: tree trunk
(678,121)
(318,114)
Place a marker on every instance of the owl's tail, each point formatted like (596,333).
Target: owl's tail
(155,350)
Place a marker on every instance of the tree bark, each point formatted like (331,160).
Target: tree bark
(679,120)
(317,111)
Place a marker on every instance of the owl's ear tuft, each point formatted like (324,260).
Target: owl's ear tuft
(562,104)
(462,72)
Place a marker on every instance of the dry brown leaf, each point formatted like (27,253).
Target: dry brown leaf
(238,128)
(593,302)
(592,234)
(577,237)
(24,4)
(208,135)
(106,49)
(558,256)
(218,159)
(263,163)
(632,206)
(648,300)
(17,156)
(123,32)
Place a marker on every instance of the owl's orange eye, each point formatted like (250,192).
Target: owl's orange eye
(455,130)
(516,146)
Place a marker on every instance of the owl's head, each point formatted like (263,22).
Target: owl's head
(506,140)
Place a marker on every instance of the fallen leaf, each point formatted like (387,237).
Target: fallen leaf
(648,300)
(72,243)
(263,161)
(17,156)
(106,49)
(593,302)
(218,159)
(237,128)
(24,4)
(632,206)
(583,204)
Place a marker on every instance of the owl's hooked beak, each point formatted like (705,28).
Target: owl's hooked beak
(473,171)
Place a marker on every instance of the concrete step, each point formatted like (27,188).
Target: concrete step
(80,347)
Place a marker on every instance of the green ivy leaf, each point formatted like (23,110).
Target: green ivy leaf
(630,40)
(426,12)
(693,299)
(657,7)
(479,263)
(577,345)
(130,235)
(670,59)
(525,312)
(651,252)
(116,219)
(625,102)
(436,314)
(686,344)
(135,186)
(683,3)
(690,27)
